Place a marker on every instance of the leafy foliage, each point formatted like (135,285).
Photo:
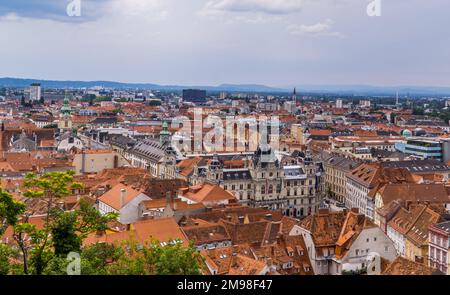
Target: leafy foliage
(43,249)
(6,253)
(10,210)
(69,229)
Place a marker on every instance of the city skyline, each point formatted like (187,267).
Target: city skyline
(286,44)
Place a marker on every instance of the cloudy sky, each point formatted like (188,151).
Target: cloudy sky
(209,42)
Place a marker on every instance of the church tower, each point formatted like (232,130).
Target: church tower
(65,115)
(164,135)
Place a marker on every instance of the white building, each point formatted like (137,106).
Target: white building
(340,242)
(124,200)
(35,92)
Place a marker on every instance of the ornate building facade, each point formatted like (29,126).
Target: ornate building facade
(269,180)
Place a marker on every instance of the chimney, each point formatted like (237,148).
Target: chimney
(269,217)
(123,194)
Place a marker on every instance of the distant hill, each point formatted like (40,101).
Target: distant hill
(356,90)
(16,82)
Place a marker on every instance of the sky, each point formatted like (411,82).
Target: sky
(279,43)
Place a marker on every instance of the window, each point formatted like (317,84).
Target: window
(357,252)
(375,239)
(386,248)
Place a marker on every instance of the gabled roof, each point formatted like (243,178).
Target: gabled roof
(226,262)
(353,225)
(187,166)
(433,193)
(365,174)
(162,230)
(413,222)
(206,234)
(206,193)
(403,266)
(112,197)
(325,227)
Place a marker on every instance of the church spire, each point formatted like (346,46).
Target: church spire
(164,135)
(66,109)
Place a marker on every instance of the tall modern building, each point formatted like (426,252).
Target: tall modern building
(294,96)
(194,95)
(35,92)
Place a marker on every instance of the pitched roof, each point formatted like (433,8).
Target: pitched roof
(403,266)
(353,225)
(187,166)
(325,227)
(434,193)
(206,193)
(112,197)
(365,174)
(228,262)
(413,222)
(205,234)
(162,230)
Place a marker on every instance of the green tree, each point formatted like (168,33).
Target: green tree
(6,253)
(157,259)
(95,260)
(27,235)
(418,111)
(10,210)
(172,259)
(50,187)
(69,229)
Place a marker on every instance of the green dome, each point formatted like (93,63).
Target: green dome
(165,129)
(66,108)
(406,133)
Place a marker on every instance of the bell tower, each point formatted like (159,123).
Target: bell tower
(65,115)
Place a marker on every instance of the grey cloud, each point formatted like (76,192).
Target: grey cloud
(264,6)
